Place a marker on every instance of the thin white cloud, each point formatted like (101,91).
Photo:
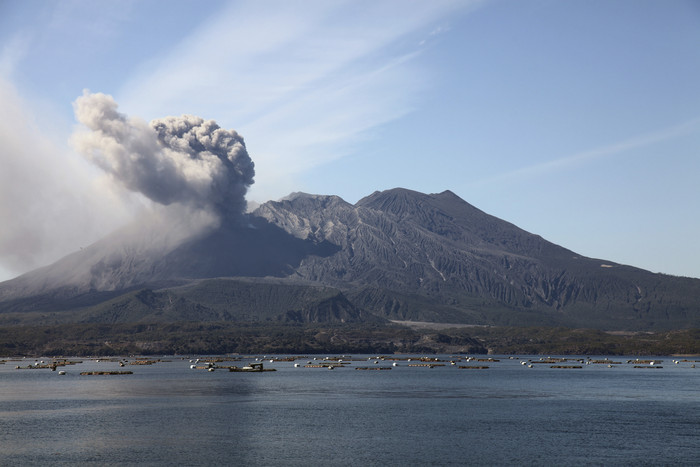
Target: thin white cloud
(568,162)
(300,81)
(12,53)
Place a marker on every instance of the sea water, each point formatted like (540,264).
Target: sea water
(506,414)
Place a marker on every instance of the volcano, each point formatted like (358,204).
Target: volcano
(394,255)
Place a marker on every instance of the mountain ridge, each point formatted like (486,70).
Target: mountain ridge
(396,254)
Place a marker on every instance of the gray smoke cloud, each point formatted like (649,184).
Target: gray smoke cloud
(185,160)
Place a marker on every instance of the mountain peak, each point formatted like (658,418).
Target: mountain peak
(308,198)
(398,201)
(398,253)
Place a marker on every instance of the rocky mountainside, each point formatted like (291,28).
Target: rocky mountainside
(408,255)
(396,254)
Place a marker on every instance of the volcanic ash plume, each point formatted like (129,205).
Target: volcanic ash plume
(184,160)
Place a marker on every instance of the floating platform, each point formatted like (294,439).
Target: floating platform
(252,368)
(100,373)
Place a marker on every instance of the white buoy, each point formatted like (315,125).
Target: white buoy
(394,364)
(296,365)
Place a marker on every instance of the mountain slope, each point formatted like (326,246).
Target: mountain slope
(222,300)
(397,254)
(437,250)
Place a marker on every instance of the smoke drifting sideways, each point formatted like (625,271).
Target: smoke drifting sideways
(183,161)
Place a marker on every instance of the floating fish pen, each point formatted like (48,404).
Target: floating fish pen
(647,366)
(219,359)
(373,368)
(487,360)
(472,367)
(50,366)
(567,367)
(645,362)
(429,365)
(551,361)
(102,373)
(252,368)
(144,362)
(604,362)
(63,362)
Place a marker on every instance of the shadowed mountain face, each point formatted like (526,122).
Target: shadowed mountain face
(123,262)
(397,254)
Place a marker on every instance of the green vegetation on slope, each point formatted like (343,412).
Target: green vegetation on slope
(221,338)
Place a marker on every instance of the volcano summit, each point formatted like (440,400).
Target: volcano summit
(394,255)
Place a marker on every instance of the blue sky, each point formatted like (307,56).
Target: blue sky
(577,121)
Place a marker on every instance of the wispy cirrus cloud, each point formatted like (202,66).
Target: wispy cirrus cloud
(574,160)
(301,82)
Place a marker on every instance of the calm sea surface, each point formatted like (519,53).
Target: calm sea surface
(508,414)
